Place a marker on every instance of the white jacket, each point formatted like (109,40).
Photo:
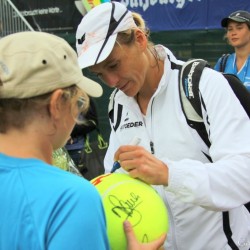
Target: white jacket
(198,191)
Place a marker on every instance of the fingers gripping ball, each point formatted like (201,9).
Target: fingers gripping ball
(125,198)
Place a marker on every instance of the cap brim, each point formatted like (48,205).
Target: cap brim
(91,87)
(224,21)
(80,7)
(89,56)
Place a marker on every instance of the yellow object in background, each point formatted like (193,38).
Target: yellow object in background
(89,4)
(62,160)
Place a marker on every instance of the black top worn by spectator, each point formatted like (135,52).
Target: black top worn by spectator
(76,143)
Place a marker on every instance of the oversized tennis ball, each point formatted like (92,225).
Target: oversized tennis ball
(125,198)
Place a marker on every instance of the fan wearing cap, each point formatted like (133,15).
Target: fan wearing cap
(237,27)
(145,103)
(42,92)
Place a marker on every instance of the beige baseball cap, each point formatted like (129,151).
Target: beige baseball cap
(35,63)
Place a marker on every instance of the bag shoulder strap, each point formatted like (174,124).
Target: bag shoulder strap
(240,91)
(223,62)
(190,97)
(111,114)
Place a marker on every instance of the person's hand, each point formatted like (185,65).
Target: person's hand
(141,164)
(133,244)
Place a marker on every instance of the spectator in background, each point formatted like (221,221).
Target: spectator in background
(75,144)
(237,27)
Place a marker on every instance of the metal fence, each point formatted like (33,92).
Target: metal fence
(11,20)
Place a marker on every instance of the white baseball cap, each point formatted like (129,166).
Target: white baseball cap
(97,32)
(35,63)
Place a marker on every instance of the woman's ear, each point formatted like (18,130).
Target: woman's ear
(55,105)
(141,39)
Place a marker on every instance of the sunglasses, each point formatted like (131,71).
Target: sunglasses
(81,102)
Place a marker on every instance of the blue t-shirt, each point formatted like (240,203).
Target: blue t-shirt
(243,74)
(44,207)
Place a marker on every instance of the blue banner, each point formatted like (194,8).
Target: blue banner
(166,15)
(160,15)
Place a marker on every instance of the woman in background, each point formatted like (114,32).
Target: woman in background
(237,27)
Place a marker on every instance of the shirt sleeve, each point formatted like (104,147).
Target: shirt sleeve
(224,183)
(78,220)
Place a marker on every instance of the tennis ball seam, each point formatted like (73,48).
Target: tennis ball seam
(120,183)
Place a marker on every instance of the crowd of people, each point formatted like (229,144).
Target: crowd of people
(43,109)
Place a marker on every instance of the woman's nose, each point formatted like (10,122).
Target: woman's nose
(111,79)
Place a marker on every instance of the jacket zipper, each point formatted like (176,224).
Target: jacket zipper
(152,149)
(163,195)
(171,219)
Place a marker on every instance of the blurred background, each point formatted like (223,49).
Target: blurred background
(190,28)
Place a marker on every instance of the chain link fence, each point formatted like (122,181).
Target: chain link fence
(11,20)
